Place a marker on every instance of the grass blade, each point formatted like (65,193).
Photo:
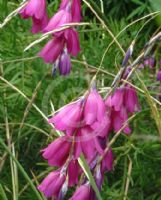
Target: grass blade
(89,175)
(2,193)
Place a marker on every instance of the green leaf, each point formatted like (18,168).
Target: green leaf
(87,171)
(39,197)
(2,193)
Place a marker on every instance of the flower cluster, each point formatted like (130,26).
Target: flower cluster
(86,125)
(64,42)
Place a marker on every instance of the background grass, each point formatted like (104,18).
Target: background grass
(25,131)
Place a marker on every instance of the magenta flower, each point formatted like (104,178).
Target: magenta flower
(37,10)
(159,75)
(59,19)
(73,173)
(75,9)
(52,184)
(82,193)
(58,151)
(64,63)
(52,50)
(124,101)
(72,41)
(69,117)
(131,100)
(118,120)
(107,163)
(94,108)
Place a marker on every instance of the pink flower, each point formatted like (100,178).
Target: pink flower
(58,151)
(131,100)
(82,193)
(52,184)
(38,25)
(107,163)
(59,19)
(37,10)
(76,11)
(69,117)
(72,41)
(94,108)
(73,173)
(52,50)
(118,120)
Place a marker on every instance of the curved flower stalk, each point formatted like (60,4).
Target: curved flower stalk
(66,42)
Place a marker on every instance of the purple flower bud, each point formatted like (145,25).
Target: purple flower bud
(159,75)
(64,63)
(128,55)
(150,61)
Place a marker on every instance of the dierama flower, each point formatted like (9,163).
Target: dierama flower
(36,9)
(52,50)
(52,184)
(82,193)
(124,101)
(159,75)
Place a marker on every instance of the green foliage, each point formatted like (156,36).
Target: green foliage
(24,71)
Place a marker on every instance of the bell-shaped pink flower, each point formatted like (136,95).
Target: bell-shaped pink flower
(131,100)
(73,173)
(58,151)
(39,25)
(72,40)
(61,18)
(52,184)
(52,50)
(64,63)
(94,108)
(107,163)
(118,120)
(76,11)
(82,193)
(69,117)
(118,99)
(34,8)
(37,10)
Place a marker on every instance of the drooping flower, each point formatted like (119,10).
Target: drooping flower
(36,9)
(51,186)
(58,151)
(159,75)
(73,173)
(52,50)
(68,118)
(82,193)
(131,100)
(123,102)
